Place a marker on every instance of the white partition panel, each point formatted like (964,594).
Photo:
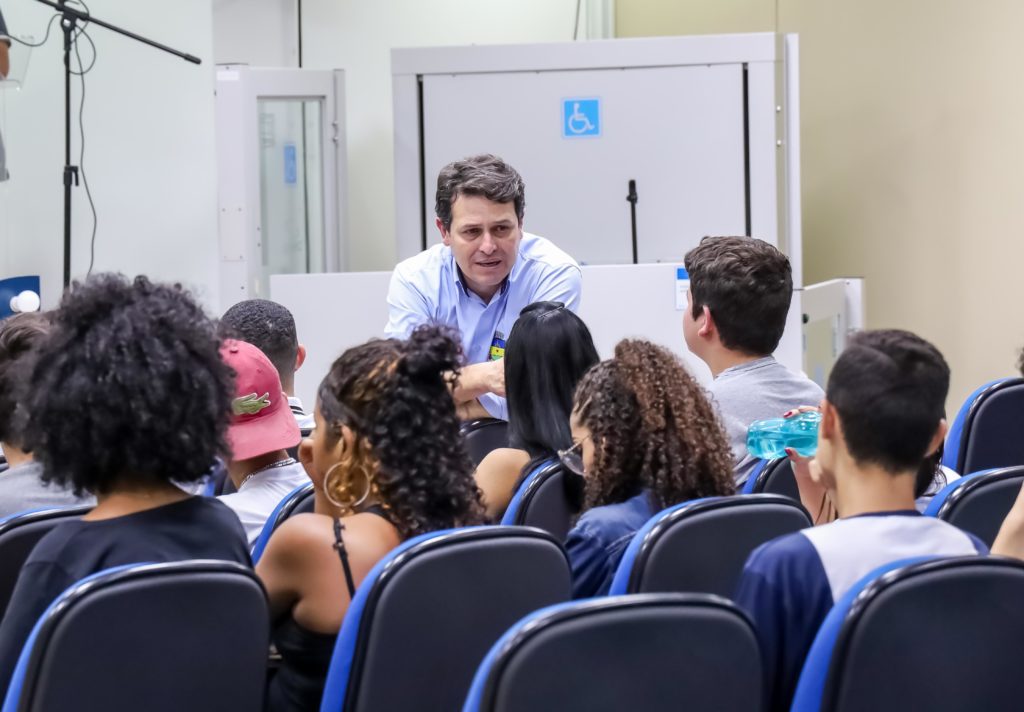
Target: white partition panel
(336,311)
(676,131)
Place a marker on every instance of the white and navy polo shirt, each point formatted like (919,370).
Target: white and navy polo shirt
(789,584)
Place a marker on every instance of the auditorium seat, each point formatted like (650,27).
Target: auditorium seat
(986,430)
(773,477)
(701,546)
(936,634)
(548,498)
(190,635)
(19,534)
(298,500)
(483,435)
(646,652)
(427,613)
(978,503)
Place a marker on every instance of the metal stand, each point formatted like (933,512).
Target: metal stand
(70,17)
(633,198)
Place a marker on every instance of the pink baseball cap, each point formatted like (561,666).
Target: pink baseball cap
(262,420)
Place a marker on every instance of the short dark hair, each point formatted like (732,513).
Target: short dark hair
(20,336)
(547,353)
(268,326)
(484,175)
(889,388)
(747,284)
(129,387)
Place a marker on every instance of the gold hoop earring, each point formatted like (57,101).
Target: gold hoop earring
(351,504)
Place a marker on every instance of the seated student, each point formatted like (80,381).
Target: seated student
(388,463)
(270,327)
(126,396)
(21,486)
(881,418)
(646,438)
(739,296)
(262,429)
(547,353)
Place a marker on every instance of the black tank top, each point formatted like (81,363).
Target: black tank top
(298,684)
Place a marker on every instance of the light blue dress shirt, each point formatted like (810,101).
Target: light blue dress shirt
(427,289)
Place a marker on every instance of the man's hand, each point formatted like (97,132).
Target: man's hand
(477,379)
(5,60)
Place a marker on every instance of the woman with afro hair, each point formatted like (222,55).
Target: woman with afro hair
(126,398)
(645,438)
(388,464)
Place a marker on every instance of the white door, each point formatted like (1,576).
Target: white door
(281,163)
(579,137)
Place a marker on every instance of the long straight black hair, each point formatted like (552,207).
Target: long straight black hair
(548,351)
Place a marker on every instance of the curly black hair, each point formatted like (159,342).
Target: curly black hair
(395,396)
(653,428)
(129,388)
(268,326)
(20,336)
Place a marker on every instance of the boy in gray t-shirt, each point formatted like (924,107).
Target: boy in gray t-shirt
(739,296)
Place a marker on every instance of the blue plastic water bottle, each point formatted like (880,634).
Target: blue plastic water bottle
(768,439)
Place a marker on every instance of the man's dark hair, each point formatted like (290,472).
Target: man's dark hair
(747,284)
(128,389)
(485,175)
(269,327)
(20,336)
(889,388)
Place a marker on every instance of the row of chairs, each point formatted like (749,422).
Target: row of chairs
(479,618)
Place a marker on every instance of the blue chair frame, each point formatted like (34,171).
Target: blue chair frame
(957,448)
(484,686)
(629,571)
(341,691)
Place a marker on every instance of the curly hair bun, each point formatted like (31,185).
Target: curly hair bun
(431,351)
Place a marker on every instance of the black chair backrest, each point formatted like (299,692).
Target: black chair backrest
(650,652)
(980,504)
(427,619)
(189,635)
(550,501)
(894,642)
(482,436)
(18,536)
(777,478)
(991,431)
(701,547)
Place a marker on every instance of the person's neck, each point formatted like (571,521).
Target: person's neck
(129,499)
(322,505)
(866,488)
(720,359)
(239,470)
(288,388)
(15,455)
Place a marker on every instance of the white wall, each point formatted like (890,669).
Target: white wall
(150,150)
(357,36)
(260,33)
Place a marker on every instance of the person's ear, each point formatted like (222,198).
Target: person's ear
(937,437)
(300,357)
(446,236)
(706,324)
(829,425)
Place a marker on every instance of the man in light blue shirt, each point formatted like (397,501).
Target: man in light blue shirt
(482,275)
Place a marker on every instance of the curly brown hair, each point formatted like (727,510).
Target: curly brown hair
(394,395)
(653,428)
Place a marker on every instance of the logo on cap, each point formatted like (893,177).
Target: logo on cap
(250,404)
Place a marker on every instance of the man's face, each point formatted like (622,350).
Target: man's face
(484,238)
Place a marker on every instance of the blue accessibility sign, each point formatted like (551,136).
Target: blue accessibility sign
(581,118)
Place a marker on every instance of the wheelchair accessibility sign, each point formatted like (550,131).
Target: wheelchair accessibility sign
(581,118)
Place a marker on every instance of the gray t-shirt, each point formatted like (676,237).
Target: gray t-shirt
(757,390)
(22,490)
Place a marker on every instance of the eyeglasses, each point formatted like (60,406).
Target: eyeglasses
(572,458)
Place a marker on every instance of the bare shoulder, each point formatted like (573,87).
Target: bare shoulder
(504,459)
(301,539)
